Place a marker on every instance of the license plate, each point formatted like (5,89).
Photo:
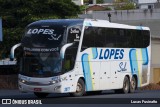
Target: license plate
(37,89)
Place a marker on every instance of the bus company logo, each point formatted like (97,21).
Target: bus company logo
(111,54)
(50,32)
(41,31)
(6,101)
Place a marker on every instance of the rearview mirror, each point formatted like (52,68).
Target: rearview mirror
(13,50)
(63,49)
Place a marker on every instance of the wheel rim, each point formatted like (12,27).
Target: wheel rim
(126,86)
(133,84)
(79,88)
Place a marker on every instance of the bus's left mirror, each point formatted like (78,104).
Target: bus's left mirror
(63,49)
(13,50)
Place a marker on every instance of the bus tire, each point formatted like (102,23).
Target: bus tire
(41,95)
(80,89)
(133,85)
(126,85)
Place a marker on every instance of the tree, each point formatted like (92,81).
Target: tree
(17,14)
(100,1)
(124,5)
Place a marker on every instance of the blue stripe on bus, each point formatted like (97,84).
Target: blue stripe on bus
(95,53)
(86,72)
(134,63)
(145,56)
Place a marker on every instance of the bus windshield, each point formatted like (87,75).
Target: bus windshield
(42,37)
(42,44)
(41,64)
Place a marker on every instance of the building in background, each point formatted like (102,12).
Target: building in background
(95,8)
(157,5)
(145,4)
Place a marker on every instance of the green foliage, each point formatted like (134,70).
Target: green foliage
(108,8)
(83,8)
(17,14)
(124,5)
(100,1)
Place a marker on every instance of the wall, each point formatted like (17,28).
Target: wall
(144,17)
(128,14)
(155,57)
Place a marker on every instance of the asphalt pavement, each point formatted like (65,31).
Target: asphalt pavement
(105,94)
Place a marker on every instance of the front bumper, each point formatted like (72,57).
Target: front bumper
(55,88)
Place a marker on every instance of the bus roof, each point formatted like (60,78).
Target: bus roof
(86,22)
(64,22)
(106,23)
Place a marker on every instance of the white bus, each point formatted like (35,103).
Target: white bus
(79,56)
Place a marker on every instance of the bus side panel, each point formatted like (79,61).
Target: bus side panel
(105,75)
(90,70)
(140,65)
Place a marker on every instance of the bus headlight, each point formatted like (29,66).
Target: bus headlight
(54,81)
(22,80)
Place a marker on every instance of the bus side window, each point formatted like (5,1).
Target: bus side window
(110,38)
(100,37)
(70,57)
(88,38)
(146,38)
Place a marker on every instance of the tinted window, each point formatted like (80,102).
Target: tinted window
(89,37)
(37,36)
(99,37)
(115,38)
(74,34)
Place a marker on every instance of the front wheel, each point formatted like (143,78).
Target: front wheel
(80,89)
(41,95)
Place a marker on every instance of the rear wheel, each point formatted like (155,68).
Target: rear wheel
(41,95)
(133,85)
(126,86)
(80,89)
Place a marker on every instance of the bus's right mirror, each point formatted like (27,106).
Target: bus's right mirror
(13,50)
(63,49)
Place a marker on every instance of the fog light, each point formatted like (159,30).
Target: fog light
(57,87)
(52,82)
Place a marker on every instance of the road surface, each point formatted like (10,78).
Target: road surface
(106,97)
